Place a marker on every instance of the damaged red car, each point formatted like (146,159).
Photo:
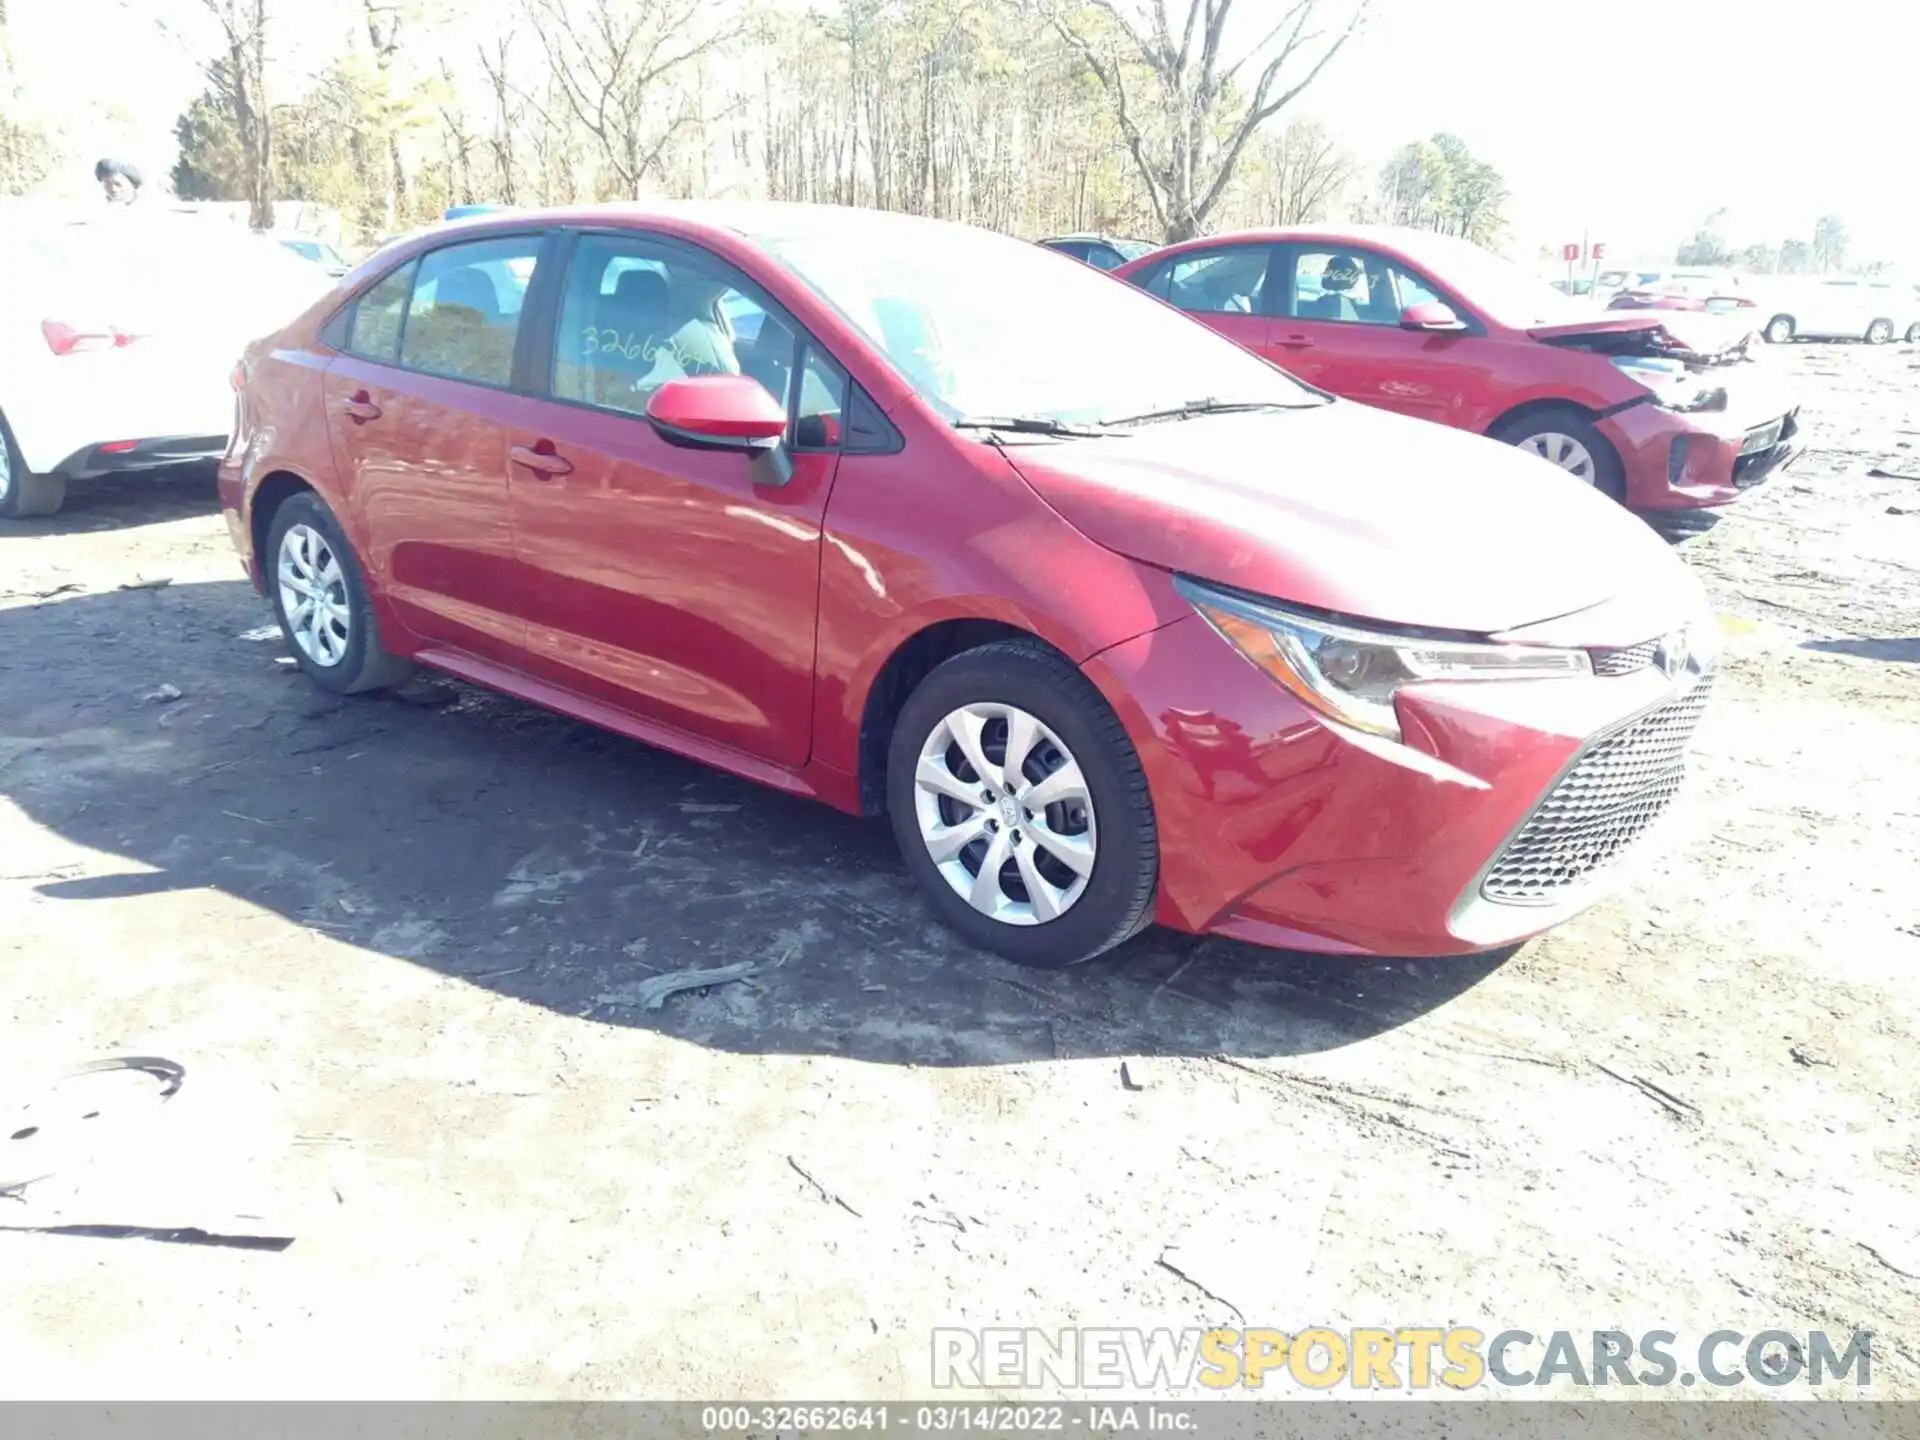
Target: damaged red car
(1126,626)
(1660,411)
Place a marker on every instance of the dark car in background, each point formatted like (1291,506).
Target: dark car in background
(1103,252)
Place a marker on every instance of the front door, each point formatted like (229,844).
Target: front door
(665,582)
(1338,317)
(417,407)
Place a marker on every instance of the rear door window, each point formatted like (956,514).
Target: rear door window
(463,317)
(1228,281)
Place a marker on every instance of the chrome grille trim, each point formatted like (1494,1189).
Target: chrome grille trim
(1625,660)
(1605,801)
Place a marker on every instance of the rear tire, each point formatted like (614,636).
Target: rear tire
(1567,438)
(1033,907)
(1913,333)
(23,494)
(1880,332)
(320,599)
(1779,330)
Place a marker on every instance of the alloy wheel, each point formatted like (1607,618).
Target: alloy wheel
(1563,450)
(1005,813)
(313,596)
(1880,332)
(1780,330)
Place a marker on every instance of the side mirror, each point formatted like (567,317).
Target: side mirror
(725,412)
(1430,316)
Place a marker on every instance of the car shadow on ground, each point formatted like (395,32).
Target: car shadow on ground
(125,501)
(1677,527)
(1900,651)
(560,865)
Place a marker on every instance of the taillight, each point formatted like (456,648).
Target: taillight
(238,379)
(64,339)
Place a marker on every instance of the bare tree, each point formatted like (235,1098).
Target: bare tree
(1829,243)
(239,77)
(1187,133)
(613,60)
(1303,170)
(382,19)
(509,117)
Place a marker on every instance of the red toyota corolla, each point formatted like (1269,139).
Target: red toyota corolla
(1116,621)
(1659,411)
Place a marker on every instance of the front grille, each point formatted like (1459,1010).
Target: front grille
(1625,660)
(1605,802)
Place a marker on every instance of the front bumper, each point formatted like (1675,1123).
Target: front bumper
(1280,829)
(1677,461)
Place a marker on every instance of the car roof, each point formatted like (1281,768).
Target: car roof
(751,219)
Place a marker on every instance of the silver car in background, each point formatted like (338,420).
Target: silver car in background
(1842,307)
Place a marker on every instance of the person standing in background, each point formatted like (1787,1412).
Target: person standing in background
(120,181)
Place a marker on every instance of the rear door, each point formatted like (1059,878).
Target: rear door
(419,406)
(1224,286)
(1339,319)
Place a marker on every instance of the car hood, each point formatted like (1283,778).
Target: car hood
(1348,509)
(1699,333)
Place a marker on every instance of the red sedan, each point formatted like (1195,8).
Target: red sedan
(1115,621)
(1435,327)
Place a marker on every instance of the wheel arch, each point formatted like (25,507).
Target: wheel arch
(1542,405)
(272,491)
(910,662)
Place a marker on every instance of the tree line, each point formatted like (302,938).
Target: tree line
(1156,119)
(1824,250)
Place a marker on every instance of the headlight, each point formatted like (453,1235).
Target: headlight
(1671,384)
(1351,675)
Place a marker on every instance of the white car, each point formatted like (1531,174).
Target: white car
(1842,308)
(118,337)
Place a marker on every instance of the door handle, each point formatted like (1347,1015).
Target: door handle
(540,459)
(1295,342)
(360,407)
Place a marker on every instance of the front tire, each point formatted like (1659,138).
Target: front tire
(320,598)
(1020,807)
(1780,329)
(23,494)
(1880,332)
(1566,438)
(1913,333)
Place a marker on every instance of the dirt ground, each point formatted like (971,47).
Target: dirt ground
(392,945)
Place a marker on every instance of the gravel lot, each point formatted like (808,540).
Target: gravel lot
(394,944)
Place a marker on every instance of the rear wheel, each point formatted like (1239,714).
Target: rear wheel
(320,599)
(24,494)
(1020,807)
(1780,329)
(1913,333)
(1568,439)
(1880,332)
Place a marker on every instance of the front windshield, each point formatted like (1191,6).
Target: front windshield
(1508,293)
(986,326)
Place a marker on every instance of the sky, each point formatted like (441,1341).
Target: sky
(1635,119)
(1630,120)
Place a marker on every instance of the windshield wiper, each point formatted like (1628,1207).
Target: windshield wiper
(1210,405)
(1028,425)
